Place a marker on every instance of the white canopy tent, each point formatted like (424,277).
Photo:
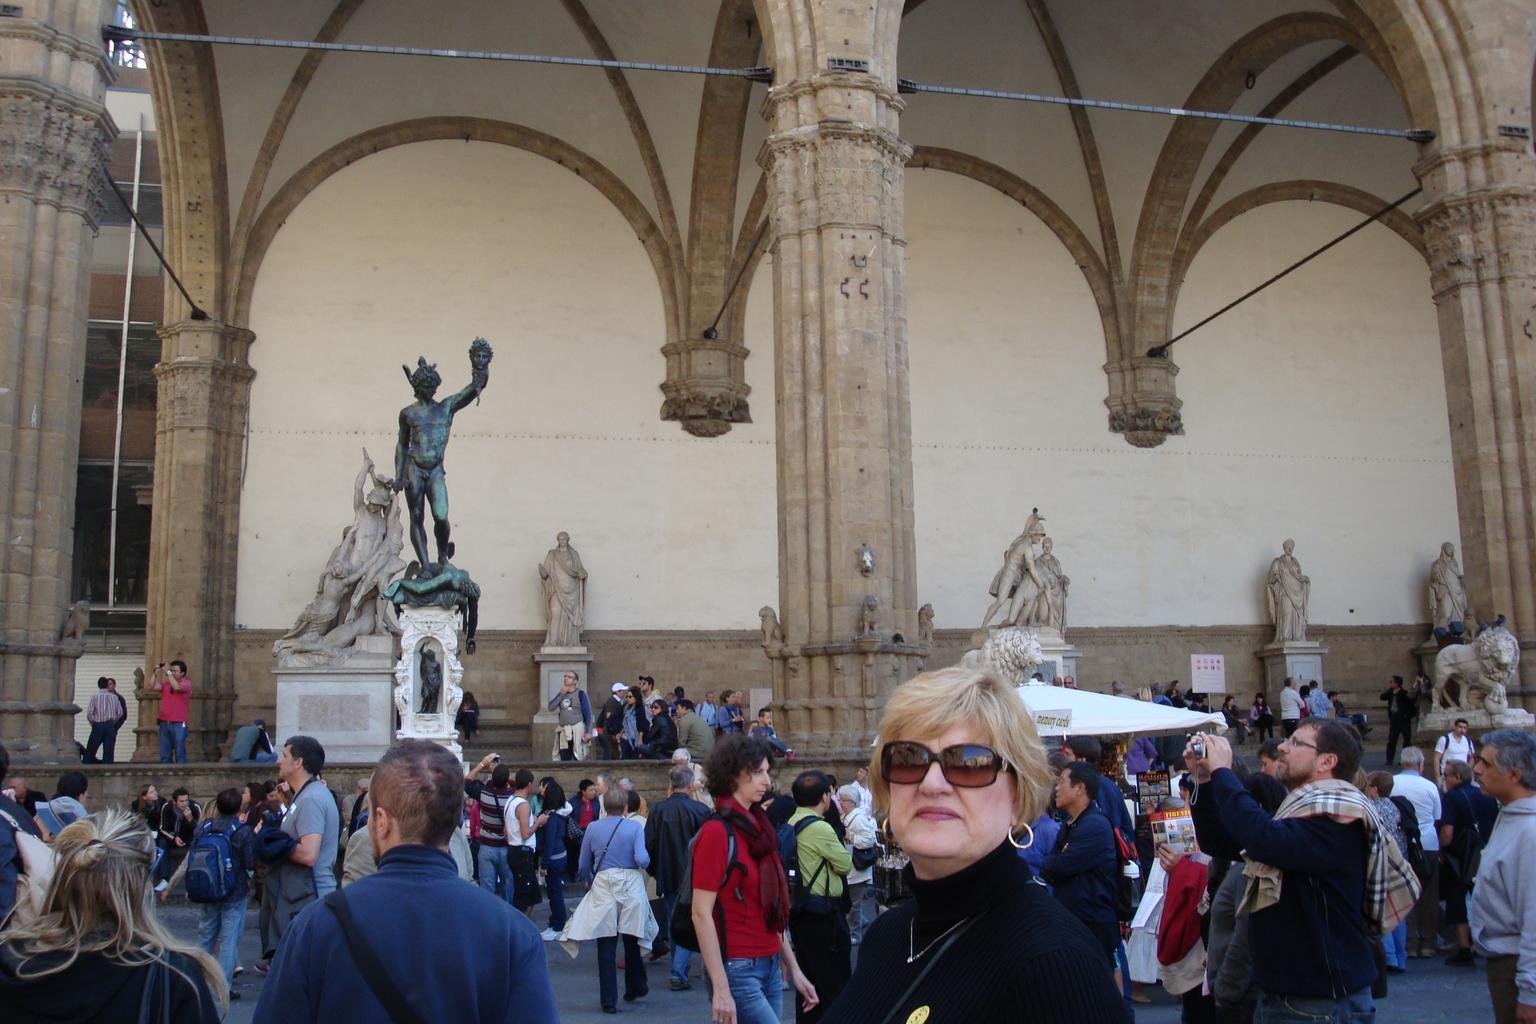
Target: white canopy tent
(1059,711)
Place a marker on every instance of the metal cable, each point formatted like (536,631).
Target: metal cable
(119,34)
(1161,351)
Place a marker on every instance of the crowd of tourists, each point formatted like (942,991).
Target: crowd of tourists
(1304,883)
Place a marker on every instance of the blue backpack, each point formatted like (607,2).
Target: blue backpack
(212,876)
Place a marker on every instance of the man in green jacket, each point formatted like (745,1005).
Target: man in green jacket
(692,732)
(818,922)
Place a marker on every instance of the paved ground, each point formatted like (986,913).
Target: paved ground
(1429,992)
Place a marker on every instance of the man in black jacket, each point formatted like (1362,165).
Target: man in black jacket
(1402,706)
(610,723)
(1083,867)
(1311,949)
(668,831)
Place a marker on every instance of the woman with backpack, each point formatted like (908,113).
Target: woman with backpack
(96,952)
(217,867)
(740,907)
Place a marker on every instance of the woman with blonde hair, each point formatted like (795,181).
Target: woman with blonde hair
(95,952)
(959,770)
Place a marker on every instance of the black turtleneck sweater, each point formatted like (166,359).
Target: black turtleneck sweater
(1025,958)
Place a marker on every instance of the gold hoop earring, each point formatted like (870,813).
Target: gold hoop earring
(1015,842)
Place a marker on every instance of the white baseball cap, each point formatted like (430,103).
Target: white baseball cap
(619,687)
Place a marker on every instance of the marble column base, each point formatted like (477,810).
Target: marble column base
(553,663)
(347,707)
(438,628)
(1301,659)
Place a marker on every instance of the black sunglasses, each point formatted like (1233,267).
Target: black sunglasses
(965,765)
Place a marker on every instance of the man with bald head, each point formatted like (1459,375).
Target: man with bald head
(411,941)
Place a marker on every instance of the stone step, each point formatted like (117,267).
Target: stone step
(512,740)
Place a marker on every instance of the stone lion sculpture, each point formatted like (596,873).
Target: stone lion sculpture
(1482,669)
(773,633)
(1013,652)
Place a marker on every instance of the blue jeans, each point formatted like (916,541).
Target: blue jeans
(1394,945)
(756,986)
(173,742)
(554,887)
(680,957)
(495,874)
(1355,1008)
(220,930)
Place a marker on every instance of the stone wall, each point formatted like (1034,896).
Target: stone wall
(502,674)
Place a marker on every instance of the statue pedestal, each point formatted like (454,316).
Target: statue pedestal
(1301,659)
(1439,722)
(346,706)
(554,663)
(1426,652)
(1060,658)
(437,630)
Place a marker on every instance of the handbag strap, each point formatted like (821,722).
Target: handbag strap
(890,1014)
(598,864)
(374,973)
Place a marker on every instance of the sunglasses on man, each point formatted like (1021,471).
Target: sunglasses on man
(964,765)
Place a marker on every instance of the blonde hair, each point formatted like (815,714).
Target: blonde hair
(99,901)
(931,703)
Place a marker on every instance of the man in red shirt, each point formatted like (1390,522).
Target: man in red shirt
(175,696)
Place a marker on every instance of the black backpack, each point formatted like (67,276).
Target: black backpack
(684,934)
(789,853)
(1418,860)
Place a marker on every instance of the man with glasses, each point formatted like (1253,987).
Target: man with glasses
(1317,867)
(1503,910)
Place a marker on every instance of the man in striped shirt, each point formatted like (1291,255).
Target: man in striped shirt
(106,713)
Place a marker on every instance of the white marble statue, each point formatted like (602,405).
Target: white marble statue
(347,604)
(1287,592)
(1013,652)
(1448,590)
(1482,670)
(1017,586)
(565,593)
(1051,605)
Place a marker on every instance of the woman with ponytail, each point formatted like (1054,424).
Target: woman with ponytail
(96,953)
(741,901)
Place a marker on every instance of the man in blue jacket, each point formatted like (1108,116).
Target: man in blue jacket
(441,950)
(1083,867)
(1310,946)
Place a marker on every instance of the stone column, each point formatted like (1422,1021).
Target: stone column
(1480,228)
(204,382)
(835,171)
(54,129)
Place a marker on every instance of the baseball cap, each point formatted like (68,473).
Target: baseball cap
(619,688)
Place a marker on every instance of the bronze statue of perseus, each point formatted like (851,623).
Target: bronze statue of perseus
(424,429)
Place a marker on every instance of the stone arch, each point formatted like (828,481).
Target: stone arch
(1184,150)
(1300,190)
(1053,216)
(188,119)
(470,129)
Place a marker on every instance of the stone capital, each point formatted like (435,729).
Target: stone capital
(705,407)
(1143,403)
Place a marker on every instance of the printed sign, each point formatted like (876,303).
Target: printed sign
(1176,828)
(1054,721)
(1207,673)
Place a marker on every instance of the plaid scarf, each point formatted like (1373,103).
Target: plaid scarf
(1391,887)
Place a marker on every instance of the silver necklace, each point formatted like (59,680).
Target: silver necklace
(912,938)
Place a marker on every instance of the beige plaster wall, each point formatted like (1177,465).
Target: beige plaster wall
(418,249)
(1315,411)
